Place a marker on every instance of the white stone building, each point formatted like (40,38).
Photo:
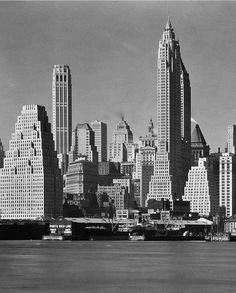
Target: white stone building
(30,181)
(201,189)
(228,183)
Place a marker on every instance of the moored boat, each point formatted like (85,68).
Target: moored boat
(136,237)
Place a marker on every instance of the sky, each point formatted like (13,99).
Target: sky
(111,48)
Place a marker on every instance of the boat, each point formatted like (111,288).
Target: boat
(220,237)
(52,237)
(136,237)
(60,229)
(153,232)
(23,229)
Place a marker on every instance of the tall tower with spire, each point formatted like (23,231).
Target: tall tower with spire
(173,120)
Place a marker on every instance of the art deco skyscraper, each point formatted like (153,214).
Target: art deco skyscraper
(30,181)
(173,120)
(62,108)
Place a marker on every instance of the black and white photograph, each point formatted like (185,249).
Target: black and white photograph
(118,146)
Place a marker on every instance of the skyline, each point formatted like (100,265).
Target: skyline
(105,44)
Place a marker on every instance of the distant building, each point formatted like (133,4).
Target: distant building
(230,225)
(62,111)
(108,168)
(2,154)
(118,194)
(30,181)
(127,168)
(199,147)
(228,183)
(100,131)
(81,177)
(180,208)
(231,139)
(150,139)
(144,168)
(121,193)
(144,162)
(137,198)
(125,182)
(201,189)
(83,143)
(121,148)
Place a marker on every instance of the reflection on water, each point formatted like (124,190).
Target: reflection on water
(121,266)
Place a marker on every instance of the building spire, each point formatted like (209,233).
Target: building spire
(168,24)
(150,127)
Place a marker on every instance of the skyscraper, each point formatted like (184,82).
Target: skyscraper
(62,109)
(228,183)
(83,143)
(30,181)
(100,131)
(201,188)
(121,148)
(173,120)
(144,162)
(231,139)
(199,147)
(1,154)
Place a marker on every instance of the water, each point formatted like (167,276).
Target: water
(119,267)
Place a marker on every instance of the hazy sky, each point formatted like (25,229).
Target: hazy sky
(111,48)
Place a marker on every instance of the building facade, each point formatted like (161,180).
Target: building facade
(144,162)
(121,193)
(83,143)
(100,133)
(173,157)
(62,113)
(30,181)
(144,168)
(121,148)
(62,108)
(201,189)
(117,194)
(231,139)
(81,177)
(228,183)
(199,147)
(2,154)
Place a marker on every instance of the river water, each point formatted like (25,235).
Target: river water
(117,266)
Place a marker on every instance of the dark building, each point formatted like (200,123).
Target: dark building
(108,168)
(199,146)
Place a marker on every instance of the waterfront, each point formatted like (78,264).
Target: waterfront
(119,266)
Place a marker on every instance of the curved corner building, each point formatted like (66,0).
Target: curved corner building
(30,181)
